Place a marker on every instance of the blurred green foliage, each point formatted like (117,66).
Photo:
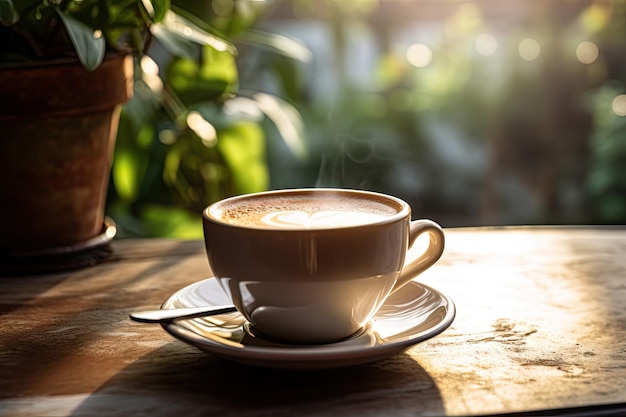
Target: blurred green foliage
(466,138)
(472,138)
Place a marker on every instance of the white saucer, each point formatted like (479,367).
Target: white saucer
(413,314)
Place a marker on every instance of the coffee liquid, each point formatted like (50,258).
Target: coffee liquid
(303,211)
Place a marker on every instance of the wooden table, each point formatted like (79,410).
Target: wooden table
(541,325)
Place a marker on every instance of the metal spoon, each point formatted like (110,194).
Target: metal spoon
(160,316)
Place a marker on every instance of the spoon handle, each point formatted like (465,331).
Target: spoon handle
(159,316)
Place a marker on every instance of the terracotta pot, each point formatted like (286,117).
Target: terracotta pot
(58,125)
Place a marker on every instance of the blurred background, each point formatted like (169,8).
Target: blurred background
(485,112)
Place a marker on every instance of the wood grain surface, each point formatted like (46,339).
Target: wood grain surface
(541,325)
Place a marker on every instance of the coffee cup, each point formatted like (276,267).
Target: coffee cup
(312,266)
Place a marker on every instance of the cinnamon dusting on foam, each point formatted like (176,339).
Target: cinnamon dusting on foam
(303,211)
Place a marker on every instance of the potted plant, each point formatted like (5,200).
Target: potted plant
(66,68)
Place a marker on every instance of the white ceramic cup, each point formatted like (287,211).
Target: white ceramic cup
(312,266)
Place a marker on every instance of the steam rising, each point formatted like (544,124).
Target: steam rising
(352,163)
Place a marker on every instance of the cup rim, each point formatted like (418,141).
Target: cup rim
(404,211)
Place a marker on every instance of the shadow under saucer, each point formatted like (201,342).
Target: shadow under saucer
(179,380)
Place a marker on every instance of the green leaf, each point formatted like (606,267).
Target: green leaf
(215,76)
(89,44)
(8,14)
(185,29)
(219,65)
(287,120)
(157,9)
(174,43)
(243,149)
(280,44)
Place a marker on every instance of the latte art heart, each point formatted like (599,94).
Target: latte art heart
(319,219)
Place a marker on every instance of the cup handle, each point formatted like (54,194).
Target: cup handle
(428,258)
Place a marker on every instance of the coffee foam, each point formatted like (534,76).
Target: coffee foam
(303,211)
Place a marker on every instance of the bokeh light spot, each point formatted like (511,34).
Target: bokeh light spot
(486,44)
(619,105)
(529,49)
(148,66)
(587,52)
(150,74)
(205,130)
(419,55)
(167,137)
